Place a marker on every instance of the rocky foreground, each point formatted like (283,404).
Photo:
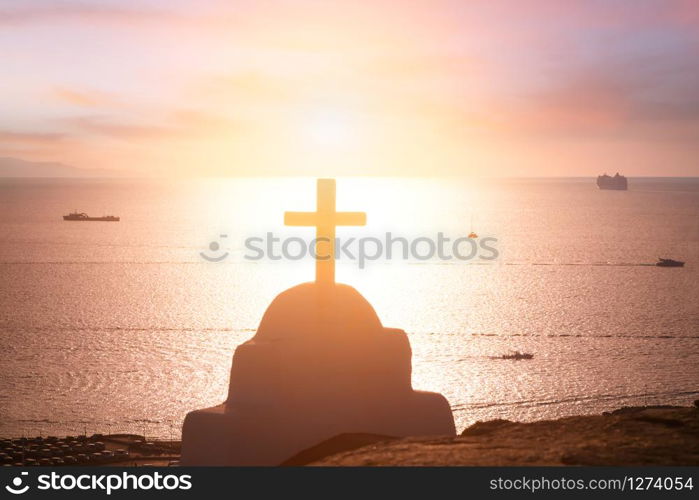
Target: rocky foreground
(652,435)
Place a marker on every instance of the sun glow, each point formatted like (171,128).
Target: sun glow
(332,129)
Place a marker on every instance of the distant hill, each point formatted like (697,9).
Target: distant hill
(14,167)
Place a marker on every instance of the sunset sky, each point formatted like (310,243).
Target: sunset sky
(319,87)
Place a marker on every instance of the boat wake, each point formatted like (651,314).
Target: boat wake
(600,397)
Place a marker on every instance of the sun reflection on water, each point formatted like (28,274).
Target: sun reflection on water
(155,318)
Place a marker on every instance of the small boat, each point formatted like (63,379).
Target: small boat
(517,355)
(472,234)
(81,216)
(668,263)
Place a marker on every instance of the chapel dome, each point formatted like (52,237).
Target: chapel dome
(310,310)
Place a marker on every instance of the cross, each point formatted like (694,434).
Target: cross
(325,219)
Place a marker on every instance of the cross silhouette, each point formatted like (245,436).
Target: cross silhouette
(325,219)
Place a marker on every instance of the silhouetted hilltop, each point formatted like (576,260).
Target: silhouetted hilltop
(651,435)
(15,167)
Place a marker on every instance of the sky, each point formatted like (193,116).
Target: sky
(335,87)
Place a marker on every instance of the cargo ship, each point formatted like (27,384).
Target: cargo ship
(80,216)
(618,182)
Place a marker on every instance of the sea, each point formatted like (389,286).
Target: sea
(127,326)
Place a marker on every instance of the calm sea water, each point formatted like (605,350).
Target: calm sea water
(109,327)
